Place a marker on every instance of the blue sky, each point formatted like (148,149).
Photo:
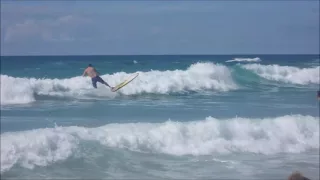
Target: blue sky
(159,27)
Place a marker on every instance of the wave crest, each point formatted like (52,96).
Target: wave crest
(198,77)
(285,134)
(287,74)
(256,59)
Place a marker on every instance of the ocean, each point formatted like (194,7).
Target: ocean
(183,117)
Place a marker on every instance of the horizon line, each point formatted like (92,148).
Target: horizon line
(249,54)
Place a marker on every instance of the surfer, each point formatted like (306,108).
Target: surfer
(319,95)
(94,74)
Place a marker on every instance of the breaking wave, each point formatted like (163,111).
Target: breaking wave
(198,77)
(286,74)
(256,59)
(285,134)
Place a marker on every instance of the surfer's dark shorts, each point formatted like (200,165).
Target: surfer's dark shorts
(95,80)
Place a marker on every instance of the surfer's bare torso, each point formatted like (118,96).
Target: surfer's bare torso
(91,72)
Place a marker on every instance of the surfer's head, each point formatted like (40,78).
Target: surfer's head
(90,65)
(297,176)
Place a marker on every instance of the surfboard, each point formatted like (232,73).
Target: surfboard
(121,85)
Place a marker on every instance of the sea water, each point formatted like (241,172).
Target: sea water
(183,117)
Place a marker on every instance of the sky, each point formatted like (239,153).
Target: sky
(159,27)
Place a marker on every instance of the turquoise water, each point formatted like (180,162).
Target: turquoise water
(236,116)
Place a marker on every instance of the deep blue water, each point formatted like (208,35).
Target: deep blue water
(181,113)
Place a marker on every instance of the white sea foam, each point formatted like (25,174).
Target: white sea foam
(256,59)
(198,77)
(287,74)
(286,134)
(314,63)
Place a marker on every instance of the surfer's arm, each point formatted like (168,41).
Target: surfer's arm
(84,72)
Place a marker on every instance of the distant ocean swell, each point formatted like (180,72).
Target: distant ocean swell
(256,59)
(285,134)
(199,77)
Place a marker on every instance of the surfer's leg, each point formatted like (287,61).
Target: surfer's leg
(99,79)
(94,82)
